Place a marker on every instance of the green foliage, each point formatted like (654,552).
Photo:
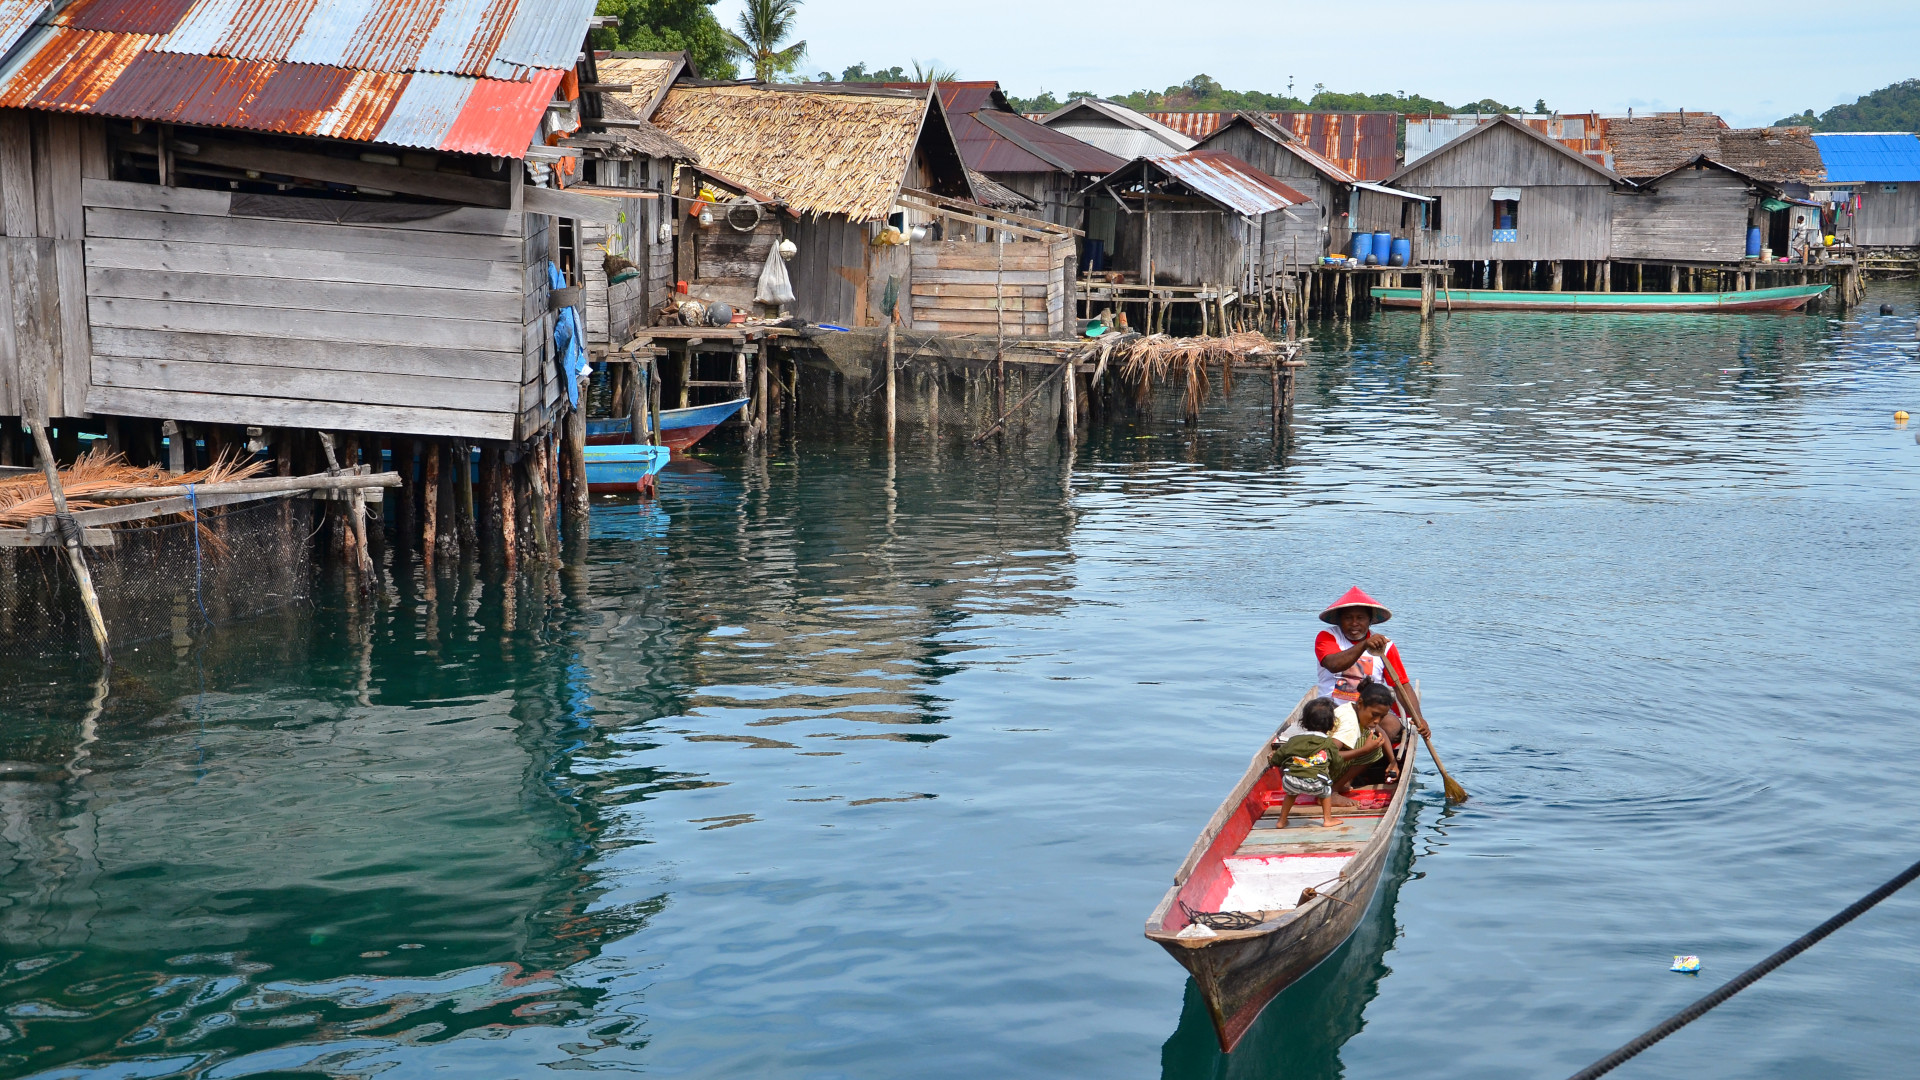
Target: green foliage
(1890,108)
(670,26)
(930,71)
(764,26)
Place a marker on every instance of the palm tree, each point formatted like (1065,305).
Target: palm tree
(933,72)
(764,25)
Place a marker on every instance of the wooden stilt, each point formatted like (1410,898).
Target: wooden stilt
(573,477)
(72,536)
(887,358)
(1070,404)
(463,498)
(429,505)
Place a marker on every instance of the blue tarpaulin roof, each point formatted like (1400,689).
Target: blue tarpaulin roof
(1866,158)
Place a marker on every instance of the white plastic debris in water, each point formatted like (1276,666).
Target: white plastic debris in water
(1195,930)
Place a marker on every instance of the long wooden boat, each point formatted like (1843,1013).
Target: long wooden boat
(1785,298)
(613,470)
(679,428)
(1243,862)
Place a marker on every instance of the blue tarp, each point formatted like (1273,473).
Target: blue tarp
(568,340)
(1869,158)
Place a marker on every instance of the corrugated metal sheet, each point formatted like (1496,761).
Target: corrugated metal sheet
(543,34)
(1867,157)
(1229,181)
(124,16)
(1361,144)
(396,71)
(16,18)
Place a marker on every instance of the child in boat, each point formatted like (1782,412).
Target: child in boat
(1372,714)
(1310,762)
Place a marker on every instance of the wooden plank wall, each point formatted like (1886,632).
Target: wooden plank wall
(728,262)
(197,313)
(829,270)
(43,309)
(968,287)
(1312,228)
(1566,208)
(539,387)
(1887,218)
(1188,248)
(1699,215)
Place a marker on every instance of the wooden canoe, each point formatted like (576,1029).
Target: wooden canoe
(1242,862)
(614,470)
(1785,298)
(679,428)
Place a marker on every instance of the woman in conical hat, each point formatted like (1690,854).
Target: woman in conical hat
(1350,653)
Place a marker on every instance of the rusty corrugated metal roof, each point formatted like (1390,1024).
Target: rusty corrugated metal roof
(472,76)
(1361,144)
(1227,180)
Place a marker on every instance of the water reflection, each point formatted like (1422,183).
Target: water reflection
(1299,1035)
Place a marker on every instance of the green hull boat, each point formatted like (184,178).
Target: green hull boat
(1787,298)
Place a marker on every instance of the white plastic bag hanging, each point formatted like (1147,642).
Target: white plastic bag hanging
(774,287)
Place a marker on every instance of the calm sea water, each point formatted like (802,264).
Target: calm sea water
(836,766)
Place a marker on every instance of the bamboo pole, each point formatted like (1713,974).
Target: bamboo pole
(356,513)
(71,537)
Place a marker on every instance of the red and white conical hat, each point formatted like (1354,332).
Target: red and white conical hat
(1355,598)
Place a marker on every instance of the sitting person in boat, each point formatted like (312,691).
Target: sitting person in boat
(1352,654)
(1310,763)
(1351,725)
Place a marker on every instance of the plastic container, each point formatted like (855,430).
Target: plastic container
(1506,221)
(1362,245)
(1382,247)
(1753,242)
(1402,253)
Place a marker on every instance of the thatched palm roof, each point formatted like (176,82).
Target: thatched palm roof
(818,151)
(1654,145)
(641,137)
(648,73)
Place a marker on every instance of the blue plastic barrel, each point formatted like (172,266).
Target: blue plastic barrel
(1362,245)
(1382,247)
(1506,221)
(1402,253)
(1753,242)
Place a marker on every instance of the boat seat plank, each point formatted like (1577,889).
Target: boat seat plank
(1306,829)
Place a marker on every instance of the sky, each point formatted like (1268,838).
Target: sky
(1752,62)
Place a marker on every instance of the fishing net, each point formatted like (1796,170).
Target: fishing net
(167,580)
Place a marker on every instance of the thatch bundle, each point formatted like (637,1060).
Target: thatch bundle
(1159,359)
(23,498)
(818,152)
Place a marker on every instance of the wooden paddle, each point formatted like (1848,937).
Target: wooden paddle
(1455,793)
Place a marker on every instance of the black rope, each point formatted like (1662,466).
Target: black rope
(1746,978)
(1220,920)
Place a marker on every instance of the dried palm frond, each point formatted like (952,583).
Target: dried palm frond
(1157,360)
(24,498)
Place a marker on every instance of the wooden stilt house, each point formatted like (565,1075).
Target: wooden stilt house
(1503,193)
(1202,219)
(869,186)
(1316,229)
(325,221)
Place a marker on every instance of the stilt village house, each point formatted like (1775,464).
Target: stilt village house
(869,185)
(1118,130)
(1873,184)
(346,218)
(1315,229)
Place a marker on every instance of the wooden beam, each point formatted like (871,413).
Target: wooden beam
(606,88)
(569,204)
(21,538)
(976,219)
(965,206)
(457,188)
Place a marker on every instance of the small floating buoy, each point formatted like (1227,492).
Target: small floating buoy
(1886,309)
(1688,965)
(1900,416)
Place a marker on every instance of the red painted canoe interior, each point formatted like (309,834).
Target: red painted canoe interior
(1250,840)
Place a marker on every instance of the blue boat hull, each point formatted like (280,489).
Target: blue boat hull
(618,469)
(679,428)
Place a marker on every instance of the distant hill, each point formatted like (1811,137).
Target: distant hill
(1204,94)
(1890,108)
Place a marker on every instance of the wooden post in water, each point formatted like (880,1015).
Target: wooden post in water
(573,475)
(887,358)
(463,497)
(686,372)
(429,506)
(71,537)
(1556,270)
(1426,307)
(1070,403)
(761,402)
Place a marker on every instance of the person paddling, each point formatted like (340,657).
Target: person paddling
(1351,653)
